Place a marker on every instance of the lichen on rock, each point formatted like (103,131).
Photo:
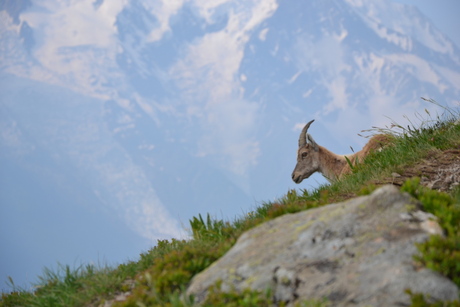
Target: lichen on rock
(358,252)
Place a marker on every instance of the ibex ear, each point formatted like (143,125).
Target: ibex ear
(312,142)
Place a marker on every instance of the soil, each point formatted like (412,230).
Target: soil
(440,170)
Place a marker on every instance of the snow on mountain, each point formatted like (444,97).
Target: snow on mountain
(152,112)
(339,67)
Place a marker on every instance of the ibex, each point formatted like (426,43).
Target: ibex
(312,157)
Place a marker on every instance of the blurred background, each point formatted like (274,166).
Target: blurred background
(120,120)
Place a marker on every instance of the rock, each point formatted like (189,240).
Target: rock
(358,253)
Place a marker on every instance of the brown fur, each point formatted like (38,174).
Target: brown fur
(377,142)
(318,159)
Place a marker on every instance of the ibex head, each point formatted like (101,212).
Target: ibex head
(307,156)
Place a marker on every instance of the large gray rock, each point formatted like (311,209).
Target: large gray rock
(358,252)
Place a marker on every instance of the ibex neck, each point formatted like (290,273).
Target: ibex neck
(332,166)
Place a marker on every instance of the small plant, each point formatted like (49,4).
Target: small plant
(249,298)
(233,298)
(420,300)
(16,298)
(67,286)
(368,189)
(209,230)
(352,167)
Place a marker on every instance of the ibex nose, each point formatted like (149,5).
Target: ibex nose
(296,178)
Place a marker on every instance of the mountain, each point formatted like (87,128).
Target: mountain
(122,120)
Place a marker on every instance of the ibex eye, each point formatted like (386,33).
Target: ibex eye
(304,154)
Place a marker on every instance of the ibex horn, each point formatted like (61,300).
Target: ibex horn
(303,135)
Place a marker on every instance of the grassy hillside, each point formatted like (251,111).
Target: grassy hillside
(161,275)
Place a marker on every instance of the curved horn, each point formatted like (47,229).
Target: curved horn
(303,134)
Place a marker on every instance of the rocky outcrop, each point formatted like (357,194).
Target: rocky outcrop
(355,253)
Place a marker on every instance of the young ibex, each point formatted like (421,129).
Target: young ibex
(312,157)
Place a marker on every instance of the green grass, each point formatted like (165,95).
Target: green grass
(161,275)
